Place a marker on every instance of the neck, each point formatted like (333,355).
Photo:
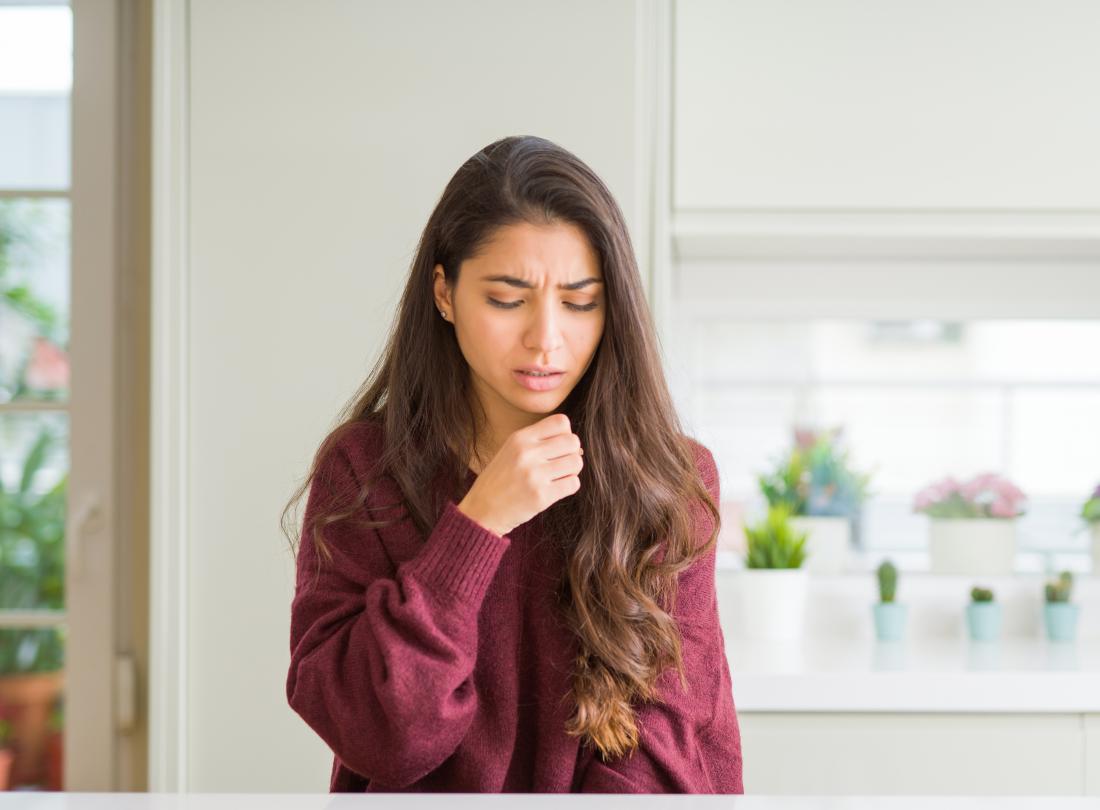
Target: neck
(501,420)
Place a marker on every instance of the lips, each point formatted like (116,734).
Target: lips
(536,382)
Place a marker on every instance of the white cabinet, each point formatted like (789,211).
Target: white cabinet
(890,753)
(849,105)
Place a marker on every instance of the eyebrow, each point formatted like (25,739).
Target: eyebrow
(527,285)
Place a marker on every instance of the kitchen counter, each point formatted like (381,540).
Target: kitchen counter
(918,675)
(473,801)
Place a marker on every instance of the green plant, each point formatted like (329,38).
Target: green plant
(32,563)
(773,542)
(1090,509)
(986,495)
(1059,590)
(978,594)
(19,222)
(56,720)
(887,581)
(815,477)
(18,218)
(5,727)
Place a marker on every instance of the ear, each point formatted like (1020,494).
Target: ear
(441,290)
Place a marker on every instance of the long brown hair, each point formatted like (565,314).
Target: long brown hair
(628,532)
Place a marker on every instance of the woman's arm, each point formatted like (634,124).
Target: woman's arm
(381,662)
(690,743)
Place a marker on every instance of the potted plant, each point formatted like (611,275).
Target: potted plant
(1090,513)
(773,586)
(983,615)
(889,614)
(1059,614)
(55,746)
(973,524)
(32,545)
(822,493)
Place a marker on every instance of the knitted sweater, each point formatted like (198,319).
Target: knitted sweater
(441,663)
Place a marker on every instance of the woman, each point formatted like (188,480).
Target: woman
(530,605)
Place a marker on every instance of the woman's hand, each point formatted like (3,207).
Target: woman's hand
(535,467)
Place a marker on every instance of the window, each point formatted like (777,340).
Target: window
(918,400)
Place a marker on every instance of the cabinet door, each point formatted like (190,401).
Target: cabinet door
(846,105)
(867,754)
(1092,754)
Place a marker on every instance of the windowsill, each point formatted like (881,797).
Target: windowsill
(916,562)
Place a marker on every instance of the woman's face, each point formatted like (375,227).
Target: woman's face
(534,296)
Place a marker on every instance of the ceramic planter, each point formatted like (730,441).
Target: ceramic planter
(32,695)
(890,620)
(827,542)
(975,546)
(1060,619)
(773,602)
(7,758)
(983,620)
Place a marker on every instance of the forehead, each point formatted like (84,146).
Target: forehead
(559,254)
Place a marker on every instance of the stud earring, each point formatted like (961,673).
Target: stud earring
(444,314)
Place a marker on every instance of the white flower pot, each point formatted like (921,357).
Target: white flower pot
(827,542)
(773,602)
(1096,548)
(981,546)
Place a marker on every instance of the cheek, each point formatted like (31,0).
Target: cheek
(591,335)
(485,339)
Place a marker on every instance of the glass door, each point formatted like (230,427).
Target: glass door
(35,85)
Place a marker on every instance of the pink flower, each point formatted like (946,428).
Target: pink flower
(804,438)
(1002,508)
(1007,489)
(985,494)
(48,369)
(979,484)
(934,493)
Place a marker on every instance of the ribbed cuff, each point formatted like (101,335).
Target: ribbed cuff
(460,557)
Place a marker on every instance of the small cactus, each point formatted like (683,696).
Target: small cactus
(887,581)
(1059,590)
(978,594)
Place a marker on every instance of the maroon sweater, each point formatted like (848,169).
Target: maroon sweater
(441,663)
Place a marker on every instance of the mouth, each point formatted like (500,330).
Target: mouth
(538,380)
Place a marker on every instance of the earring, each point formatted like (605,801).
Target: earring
(444,314)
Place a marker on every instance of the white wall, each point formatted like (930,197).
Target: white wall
(321,136)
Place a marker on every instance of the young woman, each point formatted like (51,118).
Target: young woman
(505,580)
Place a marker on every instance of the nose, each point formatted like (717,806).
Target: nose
(543,333)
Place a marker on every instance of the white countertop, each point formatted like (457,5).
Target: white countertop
(475,801)
(917,675)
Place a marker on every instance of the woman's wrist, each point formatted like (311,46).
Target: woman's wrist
(471,511)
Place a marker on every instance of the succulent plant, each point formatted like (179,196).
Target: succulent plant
(1059,590)
(887,581)
(1090,509)
(979,594)
(815,477)
(774,543)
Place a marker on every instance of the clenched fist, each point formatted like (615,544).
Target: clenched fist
(535,467)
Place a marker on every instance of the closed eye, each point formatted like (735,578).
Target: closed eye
(568,304)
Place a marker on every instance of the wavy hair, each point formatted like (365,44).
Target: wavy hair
(629,531)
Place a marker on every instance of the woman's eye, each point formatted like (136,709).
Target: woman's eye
(568,304)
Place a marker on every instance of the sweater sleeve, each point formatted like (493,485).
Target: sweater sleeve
(381,661)
(688,742)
